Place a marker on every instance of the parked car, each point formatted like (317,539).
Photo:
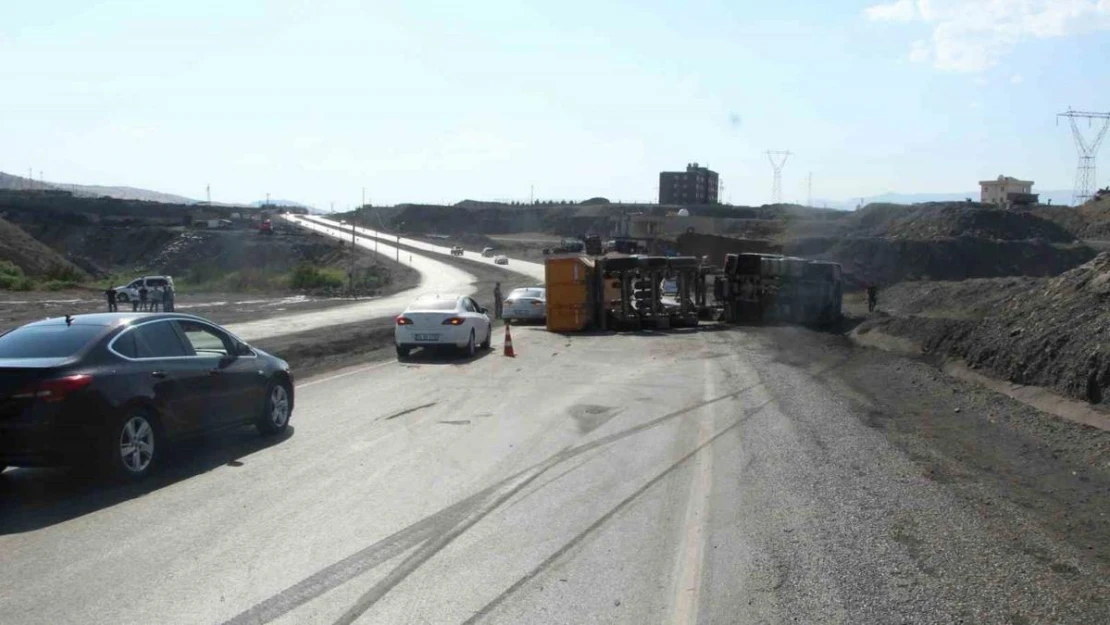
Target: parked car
(527,303)
(454,321)
(127,293)
(112,389)
(501,260)
(457,251)
(488,252)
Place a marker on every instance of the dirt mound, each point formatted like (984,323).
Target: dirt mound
(974,299)
(891,260)
(1090,221)
(947,220)
(1055,334)
(34,258)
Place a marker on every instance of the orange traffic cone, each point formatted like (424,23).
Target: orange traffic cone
(509,343)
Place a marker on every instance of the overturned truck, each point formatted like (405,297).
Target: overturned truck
(623,292)
(759,288)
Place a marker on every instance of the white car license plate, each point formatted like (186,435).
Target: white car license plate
(427,337)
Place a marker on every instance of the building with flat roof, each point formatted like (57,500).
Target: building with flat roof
(1006,192)
(696,185)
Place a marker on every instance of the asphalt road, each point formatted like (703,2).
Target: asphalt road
(689,477)
(435,276)
(524,267)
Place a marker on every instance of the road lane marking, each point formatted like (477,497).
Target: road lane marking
(691,552)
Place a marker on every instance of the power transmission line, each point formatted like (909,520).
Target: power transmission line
(778,160)
(1085,173)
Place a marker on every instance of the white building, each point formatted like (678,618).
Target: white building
(1006,191)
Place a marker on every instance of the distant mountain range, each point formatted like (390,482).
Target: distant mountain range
(1058,197)
(8,181)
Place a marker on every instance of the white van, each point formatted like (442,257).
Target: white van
(127,293)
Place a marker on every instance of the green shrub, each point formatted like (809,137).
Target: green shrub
(307,276)
(8,268)
(16,283)
(59,285)
(61,273)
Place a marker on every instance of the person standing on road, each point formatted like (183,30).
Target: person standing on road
(111,295)
(155,298)
(167,298)
(497,301)
(872,297)
(142,298)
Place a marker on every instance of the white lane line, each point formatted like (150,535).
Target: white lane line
(691,552)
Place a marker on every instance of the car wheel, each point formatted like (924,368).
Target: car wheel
(471,350)
(402,353)
(132,444)
(277,410)
(489,336)
(123,298)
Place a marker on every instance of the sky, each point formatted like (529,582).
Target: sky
(429,101)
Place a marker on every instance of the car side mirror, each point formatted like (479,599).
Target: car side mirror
(242,349)
(483,310)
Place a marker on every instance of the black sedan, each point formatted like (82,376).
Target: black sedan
(114,388)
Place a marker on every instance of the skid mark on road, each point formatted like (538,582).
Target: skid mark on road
(460,422)
(624,503)
(433,533)
(409,411)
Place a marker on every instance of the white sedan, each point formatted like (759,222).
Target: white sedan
(526,303)
(501,260)
(442,321)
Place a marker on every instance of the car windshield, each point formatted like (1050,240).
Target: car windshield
(48,341)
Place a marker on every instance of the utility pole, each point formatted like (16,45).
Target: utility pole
(778,160)
(809,191)
(1085,173)
(531,194)
(267,199)
(208,193)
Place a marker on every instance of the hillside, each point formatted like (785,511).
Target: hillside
(31,256)
(19,183)
(1090,221)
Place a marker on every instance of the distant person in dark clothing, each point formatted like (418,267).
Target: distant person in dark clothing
(872,297)
(155,298)
(143,304)
(111,295)
(167,298)
(497,303)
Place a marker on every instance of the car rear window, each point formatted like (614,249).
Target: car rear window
(51,341)
(526,293)
(434,304)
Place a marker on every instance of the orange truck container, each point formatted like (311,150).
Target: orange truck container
(568,294)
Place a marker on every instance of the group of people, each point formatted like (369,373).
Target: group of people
(149,300)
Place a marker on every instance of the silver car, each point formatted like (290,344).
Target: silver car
(526,303)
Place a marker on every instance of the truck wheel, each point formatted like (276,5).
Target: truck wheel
(123,298)
(402,353)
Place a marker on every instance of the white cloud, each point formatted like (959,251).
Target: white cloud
(973,35)
(897,11)
(1017,79)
